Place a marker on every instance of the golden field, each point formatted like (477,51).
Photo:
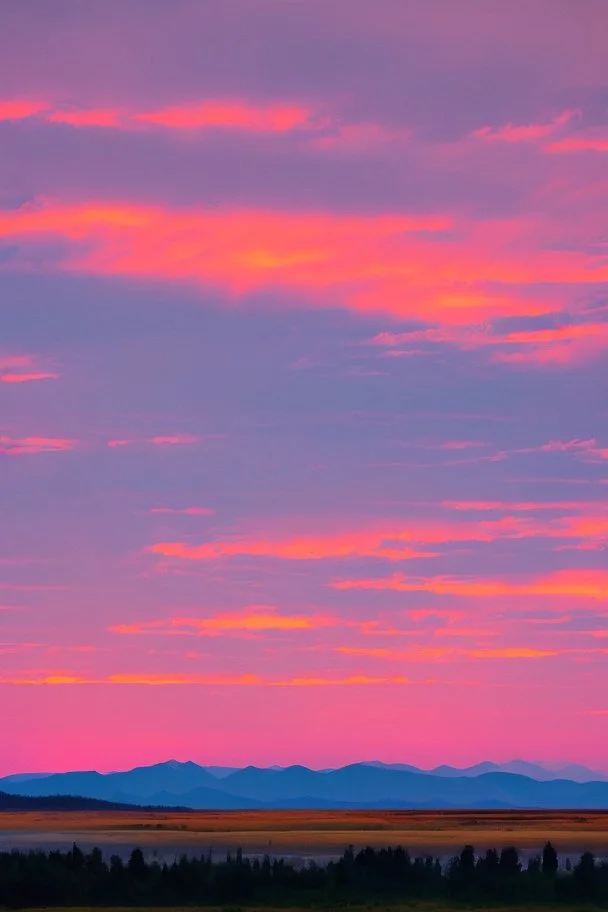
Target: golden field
(313,832)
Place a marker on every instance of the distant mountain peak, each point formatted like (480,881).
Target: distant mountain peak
(371,784)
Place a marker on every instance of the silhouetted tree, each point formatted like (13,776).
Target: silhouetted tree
(550,861)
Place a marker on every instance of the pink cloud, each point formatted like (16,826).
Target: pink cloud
(119,442)
(27,378)
(392,540)
(21,446)
(518,507)
(174,440)
(516,133)
(23,369)
(323,257)
(580,143)
(208,114)
(275,118)
(571,343)
(19,109)
(159,440)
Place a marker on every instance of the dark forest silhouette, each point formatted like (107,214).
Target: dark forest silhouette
(73,878)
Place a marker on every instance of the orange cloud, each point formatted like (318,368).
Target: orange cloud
(236,115)
(152,679)
(431,654)
(20,109)
(172,679)
(388,264)
(310,547)
(177,679)
(256,619)
(20,446)
(353,680)
(587,584)
(514,652)
(392,541)
(381,264)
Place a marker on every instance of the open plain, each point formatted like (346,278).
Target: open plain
(306,834)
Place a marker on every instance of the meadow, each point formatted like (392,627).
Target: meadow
(309,833)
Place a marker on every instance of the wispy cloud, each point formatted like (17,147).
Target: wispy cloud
(581,142)
(585,584)
(396,541)
(569,343)
(255,619)
(530,506)
(174,440)
(372,543)
(158,440)
(23,369)
(234,115)
(208,114)
(27,378)
(439,653)
(171,679)
(24,446)
(525,133)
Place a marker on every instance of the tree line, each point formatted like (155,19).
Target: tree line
(76,878)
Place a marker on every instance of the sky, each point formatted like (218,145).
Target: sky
(303,382)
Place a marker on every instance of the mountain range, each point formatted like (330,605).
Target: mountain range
(371,784)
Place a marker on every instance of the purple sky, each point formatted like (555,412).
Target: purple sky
(303,381)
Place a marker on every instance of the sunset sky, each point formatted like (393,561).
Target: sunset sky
(303,382)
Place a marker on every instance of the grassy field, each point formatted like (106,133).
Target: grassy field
(311,833)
